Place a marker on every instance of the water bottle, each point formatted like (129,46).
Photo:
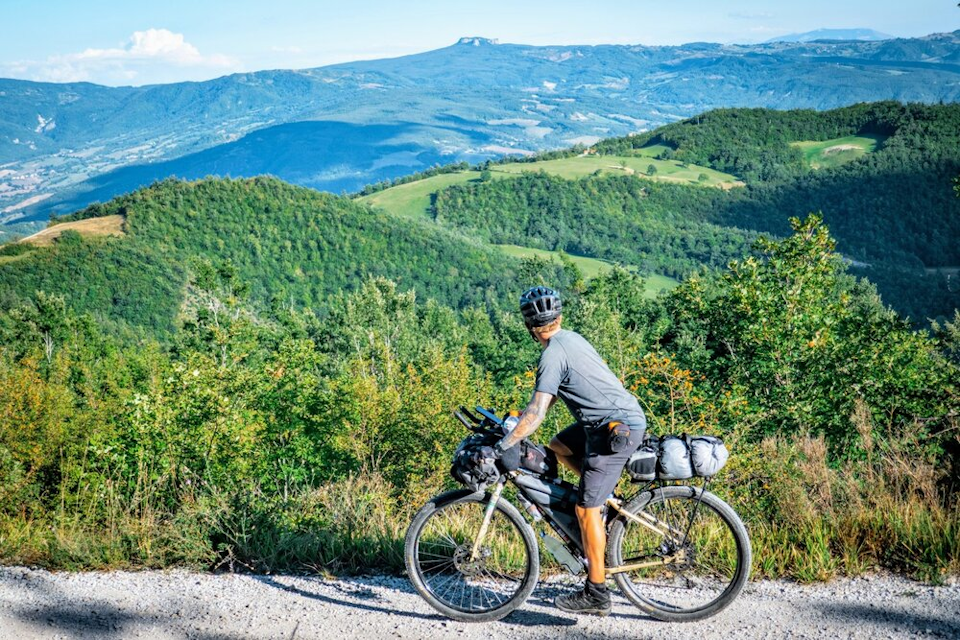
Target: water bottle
(530,508)
(559,551)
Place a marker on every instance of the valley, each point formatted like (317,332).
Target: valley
(65,146)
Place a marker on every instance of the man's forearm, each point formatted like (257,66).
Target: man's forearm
(531,418)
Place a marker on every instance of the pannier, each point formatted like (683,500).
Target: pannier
(677,458)
(642,465)
(708,455)
(674,460)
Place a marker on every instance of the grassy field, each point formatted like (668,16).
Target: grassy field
(826,154)
(666,170)
(590,267)
(103,226)
(413,199)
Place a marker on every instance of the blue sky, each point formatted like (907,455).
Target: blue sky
(122,42)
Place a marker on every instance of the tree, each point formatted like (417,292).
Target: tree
(651,169)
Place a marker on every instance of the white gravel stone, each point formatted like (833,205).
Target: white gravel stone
(181,604)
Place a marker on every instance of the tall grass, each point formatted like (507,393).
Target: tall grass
(812,520)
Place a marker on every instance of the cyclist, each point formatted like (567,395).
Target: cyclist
(571,369)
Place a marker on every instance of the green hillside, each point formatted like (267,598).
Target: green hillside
(890,202)
(590,267)
(287,243)
(413,199)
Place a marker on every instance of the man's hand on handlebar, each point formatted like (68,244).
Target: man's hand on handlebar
(509,458)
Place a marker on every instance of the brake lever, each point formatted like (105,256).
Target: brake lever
(472,417)
(463,421)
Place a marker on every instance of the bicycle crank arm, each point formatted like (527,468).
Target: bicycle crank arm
(487,517)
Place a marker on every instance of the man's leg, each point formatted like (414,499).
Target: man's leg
(569,445)
(594,599)
(594,542)
(565,456)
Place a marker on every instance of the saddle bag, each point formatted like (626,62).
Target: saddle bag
(642,465)
(707,455)
(674,461)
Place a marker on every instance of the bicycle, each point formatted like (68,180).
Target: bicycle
(676,551)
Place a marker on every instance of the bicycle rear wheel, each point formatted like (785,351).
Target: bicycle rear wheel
(438,555)
(694,551)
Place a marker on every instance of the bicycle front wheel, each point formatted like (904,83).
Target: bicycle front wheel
(463,585)
(689,550)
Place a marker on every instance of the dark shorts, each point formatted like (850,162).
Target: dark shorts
(601,470)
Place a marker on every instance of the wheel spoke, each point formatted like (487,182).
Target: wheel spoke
(706,567)
(458,579)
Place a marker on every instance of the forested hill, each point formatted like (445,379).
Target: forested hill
(882,174)
(287,244)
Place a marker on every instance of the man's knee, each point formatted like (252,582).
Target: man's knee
(556,445)
(587,513)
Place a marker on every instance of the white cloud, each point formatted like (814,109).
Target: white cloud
(153,55)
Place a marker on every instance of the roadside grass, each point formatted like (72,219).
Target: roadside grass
(826,154)
(591,267)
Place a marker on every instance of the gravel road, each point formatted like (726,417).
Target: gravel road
(180,604)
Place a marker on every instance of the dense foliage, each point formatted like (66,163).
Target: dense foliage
(267,437)
(658,227)
(893,211)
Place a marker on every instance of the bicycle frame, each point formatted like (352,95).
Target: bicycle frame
(669,533)
(644,519)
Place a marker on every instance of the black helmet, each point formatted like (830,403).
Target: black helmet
(540,306)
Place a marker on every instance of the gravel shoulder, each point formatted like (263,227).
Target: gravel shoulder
(181,604)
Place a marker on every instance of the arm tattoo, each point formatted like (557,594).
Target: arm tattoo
(531,418)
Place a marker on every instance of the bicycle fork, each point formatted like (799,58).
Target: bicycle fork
(487,517)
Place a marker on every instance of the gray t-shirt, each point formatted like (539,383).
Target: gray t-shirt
(571,369)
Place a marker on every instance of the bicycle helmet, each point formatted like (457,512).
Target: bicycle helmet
(540,306)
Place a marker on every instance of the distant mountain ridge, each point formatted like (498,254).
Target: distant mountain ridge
(834,34)
(65,145)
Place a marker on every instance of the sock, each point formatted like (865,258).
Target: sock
(597,587)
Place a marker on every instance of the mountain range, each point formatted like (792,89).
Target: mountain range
(833,34)
(339,127)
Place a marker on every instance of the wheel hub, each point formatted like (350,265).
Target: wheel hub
(467,565)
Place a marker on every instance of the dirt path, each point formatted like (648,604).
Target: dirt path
(38,604)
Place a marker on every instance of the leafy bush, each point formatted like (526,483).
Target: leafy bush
(266,438)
